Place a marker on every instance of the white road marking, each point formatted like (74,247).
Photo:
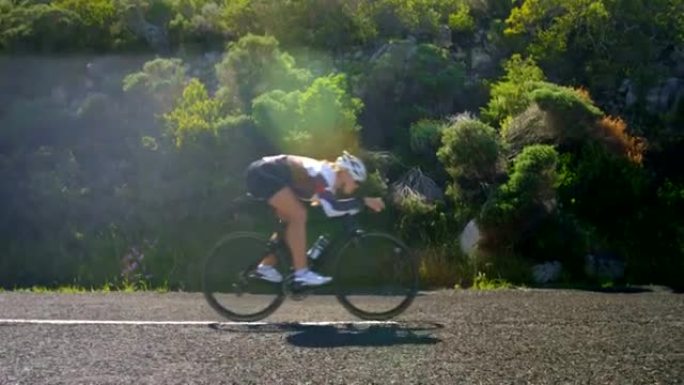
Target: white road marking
(201,323)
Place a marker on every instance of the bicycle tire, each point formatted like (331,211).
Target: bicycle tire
(210,263)
(411,263)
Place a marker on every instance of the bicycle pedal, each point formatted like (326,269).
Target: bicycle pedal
(297,287)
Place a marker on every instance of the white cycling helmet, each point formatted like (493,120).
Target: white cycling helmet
(353,165)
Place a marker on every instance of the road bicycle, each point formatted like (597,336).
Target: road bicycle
(375,275)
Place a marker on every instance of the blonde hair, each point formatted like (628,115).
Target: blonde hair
(335,166)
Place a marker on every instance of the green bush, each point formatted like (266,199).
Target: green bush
(396,18)
(425,136)
(433,80)
(528,196)
(574,108)
(64,26)
(90,172)
(41,28)
(470,149)
(416,219)
(598,187)
(511,95)
(555,115)
(161,82)
(598,43)
(253,66)
(322,25)
(195,114)
(406,83)
(319,121)
(461,20)
(203,22)
(470,153)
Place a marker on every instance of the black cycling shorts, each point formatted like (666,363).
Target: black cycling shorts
(265,179)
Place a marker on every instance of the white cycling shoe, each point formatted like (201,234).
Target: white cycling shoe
(269,273)
(309,278)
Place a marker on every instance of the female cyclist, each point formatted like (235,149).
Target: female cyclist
(285,180)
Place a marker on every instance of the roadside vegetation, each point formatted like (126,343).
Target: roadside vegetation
(553,128)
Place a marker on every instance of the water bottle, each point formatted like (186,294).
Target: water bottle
(318,246)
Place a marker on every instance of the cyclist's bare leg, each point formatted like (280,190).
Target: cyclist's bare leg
(293,212)
(270,259)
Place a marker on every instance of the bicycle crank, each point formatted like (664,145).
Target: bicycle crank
(295,291)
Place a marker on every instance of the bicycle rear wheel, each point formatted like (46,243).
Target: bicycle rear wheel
(376,276)
(229,281)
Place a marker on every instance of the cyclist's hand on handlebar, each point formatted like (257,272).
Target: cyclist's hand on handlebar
(375,204)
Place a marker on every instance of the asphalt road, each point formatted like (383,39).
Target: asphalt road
(446,337)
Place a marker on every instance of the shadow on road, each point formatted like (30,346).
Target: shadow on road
(378,335)
(342,335)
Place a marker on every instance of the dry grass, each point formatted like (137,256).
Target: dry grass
(442,266)
(584,94)
(613,131)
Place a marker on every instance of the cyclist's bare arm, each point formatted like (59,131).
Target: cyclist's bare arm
(334,207)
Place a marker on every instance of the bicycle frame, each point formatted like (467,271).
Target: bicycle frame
(279,247)
(330,257)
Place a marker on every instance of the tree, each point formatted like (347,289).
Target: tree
(63,26)
(161,81)
(406,83)
(398,18)
(252,66)
(195,114)
(319,121)
(599,43)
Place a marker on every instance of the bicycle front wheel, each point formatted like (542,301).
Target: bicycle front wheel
(376,277)
(230,283)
